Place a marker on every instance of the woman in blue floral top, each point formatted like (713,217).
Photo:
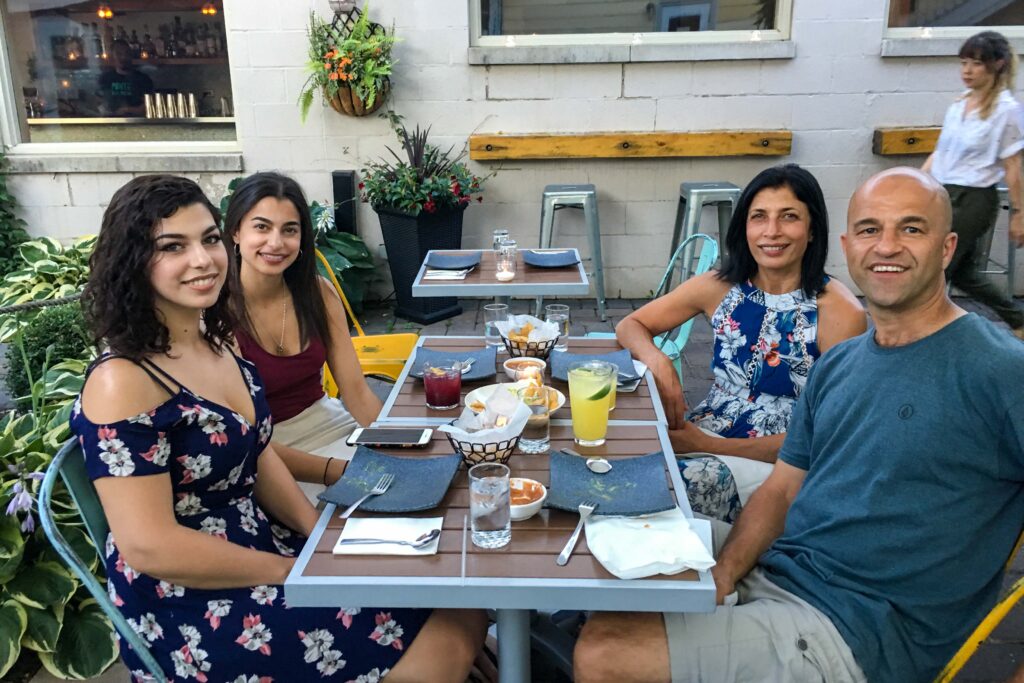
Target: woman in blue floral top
(773,311)
(175,430)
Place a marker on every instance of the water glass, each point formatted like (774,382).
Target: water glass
(536,436)
(442,385)
(499,237)
(559,314)
(490,511)
(494,314)
(590,386)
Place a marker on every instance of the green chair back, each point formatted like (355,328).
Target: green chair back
(672,342)
(69,464)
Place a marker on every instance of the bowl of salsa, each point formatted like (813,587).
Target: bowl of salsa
(527,496)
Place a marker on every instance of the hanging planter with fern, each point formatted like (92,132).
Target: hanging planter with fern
(349,63)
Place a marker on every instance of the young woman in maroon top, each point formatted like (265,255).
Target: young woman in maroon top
(291,322)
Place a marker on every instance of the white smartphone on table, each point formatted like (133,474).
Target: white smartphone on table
(402,437)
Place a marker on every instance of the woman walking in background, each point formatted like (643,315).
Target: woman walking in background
(980,145)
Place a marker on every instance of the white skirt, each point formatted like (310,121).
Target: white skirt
(320,429)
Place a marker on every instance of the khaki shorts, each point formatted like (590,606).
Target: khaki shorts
(770,635)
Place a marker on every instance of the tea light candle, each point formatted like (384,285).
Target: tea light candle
(506,269)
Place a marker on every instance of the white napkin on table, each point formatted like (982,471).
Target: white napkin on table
(391,528)
(446,274)
(634,547)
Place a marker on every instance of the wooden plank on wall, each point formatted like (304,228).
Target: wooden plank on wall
(890,141)
(726,143)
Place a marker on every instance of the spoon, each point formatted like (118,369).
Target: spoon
(419,542)
(467,364)
(595,464)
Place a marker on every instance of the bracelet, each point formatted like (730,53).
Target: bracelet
(329,460)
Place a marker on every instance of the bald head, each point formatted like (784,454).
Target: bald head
(910,183)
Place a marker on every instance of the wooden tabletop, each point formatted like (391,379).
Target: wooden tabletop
(407,401)
(529,280)
(535,542)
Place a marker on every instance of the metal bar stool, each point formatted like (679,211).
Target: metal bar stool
(693,197)
(987,264)
(575,197)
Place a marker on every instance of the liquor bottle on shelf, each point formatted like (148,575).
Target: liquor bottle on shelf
(148,46)
(97,41)
(211,43)
(122,34)
(135,44)
(160,42)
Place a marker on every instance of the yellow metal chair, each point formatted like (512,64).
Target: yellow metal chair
(987,625)
(380,355)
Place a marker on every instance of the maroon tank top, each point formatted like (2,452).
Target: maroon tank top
(292,383)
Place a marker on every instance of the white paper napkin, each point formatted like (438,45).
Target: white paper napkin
(542,331)
(446,274)
(634,547)
(391,528)
(468,426)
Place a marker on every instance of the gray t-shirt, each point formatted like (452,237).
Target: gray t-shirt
(914,493)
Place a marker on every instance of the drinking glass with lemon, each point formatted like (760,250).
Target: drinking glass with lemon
(591,388)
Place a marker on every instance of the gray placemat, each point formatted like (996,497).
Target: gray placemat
(547,259)
(483,367)
(635,486)
(453,261)
(560,361)
(420,482)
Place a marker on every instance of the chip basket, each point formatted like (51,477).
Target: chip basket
(476,453)
(530,349)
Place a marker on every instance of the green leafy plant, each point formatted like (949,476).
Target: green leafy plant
(47,270)
(64,326)
(355,55)
(12,228)
(43,607)
(427,179)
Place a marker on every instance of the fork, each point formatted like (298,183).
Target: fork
(585,508)
(382,486)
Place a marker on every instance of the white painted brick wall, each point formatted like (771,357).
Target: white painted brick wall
(831,95)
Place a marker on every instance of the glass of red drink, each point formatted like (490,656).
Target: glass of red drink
(443,385)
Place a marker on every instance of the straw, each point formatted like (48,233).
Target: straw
(465,523)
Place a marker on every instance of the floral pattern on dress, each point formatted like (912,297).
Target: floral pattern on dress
(242,635)
(764,347)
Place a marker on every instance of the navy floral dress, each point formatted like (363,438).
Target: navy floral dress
(765,345)
(242,635)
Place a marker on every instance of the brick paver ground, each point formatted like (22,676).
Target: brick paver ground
(995,661)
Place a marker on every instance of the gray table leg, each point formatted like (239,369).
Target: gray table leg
(514,645)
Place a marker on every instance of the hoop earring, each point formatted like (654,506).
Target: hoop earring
(238,252)
(300,252)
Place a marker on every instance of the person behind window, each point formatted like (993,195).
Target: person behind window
(176,434)
(774,311)
(980,145)
(123,86)
(291,322)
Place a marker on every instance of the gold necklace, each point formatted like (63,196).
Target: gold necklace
(284,317)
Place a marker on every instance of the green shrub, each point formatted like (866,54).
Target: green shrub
(12,228)
(61,326)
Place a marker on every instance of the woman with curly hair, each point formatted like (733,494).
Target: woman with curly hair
(175,429)
(290,322)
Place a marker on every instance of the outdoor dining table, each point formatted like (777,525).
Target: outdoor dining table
(529,280)
(406,403)
(513,580)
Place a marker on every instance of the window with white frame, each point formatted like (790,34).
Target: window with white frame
(953,18)
(541,22)
(116,70)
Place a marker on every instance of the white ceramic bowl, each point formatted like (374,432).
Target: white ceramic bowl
(524,512)
(519,363)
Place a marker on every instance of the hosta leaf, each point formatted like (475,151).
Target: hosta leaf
(12,548)
(47,266)
(43,584)
(13,622)
(87,645)
(43,628)
(35,251)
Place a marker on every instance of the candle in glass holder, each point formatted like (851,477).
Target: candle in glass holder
(506,261)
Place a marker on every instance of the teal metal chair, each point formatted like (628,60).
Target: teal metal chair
(69,464)
(671,343)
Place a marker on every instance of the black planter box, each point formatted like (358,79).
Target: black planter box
(407,239)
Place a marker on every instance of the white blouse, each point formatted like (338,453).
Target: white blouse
(971,150)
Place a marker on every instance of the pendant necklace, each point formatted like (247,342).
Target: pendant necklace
(284,317)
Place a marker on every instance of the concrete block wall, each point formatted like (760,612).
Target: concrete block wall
(832,95)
